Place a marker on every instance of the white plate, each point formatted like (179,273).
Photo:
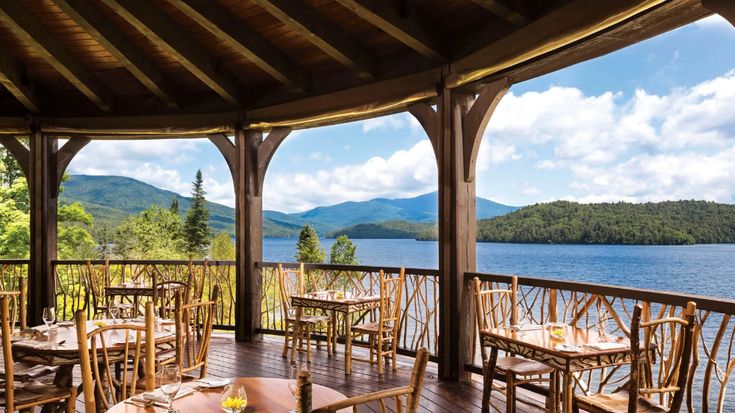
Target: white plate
(213,382)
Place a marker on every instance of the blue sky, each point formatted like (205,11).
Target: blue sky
(652,122)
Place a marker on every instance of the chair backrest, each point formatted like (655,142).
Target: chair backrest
(165,293)
(391,295)
(412,392)
(7,331)
(194,324)
(17,305)
(290,281)
(105,346)
(495,307)
(674,366)
(96,278)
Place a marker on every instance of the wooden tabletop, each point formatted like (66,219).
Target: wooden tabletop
(264,395)
(329,302)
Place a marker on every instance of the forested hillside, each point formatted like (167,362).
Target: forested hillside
(664,223)
(389,229)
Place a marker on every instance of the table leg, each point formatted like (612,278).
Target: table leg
(348,344)
(334,332)
(567,393)
(296,333)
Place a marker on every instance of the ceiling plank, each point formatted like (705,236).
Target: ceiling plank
(27,27)
(162,30)
(503,11)
(324,34)
(97,25)
(407,30)
(12,78)
(249,43)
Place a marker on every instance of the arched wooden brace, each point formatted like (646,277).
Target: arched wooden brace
(248,160)
(19,152)
(475,121)
(426,115)
(725,8)
(63,157)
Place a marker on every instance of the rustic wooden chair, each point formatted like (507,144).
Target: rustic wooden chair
(96,278)
(412,392)
(383,334)
(165,293)
(26,396)
(640,394)
(194,325)
(517,370)
(98,360)
(290,282)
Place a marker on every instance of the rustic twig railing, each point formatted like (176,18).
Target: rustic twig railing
(419,324)
(583,304)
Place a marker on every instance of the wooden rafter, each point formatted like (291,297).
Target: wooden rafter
(27,27)
(93,21)
(503,11)
(162,30)
(324,34)
(407,30)
(724,8)
(220,22)
(11,78)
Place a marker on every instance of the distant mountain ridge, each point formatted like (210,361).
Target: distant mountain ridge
(112,198)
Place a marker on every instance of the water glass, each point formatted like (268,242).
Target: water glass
(114,312)
(601,325)
(170,384)
(49,316)
(234,399)
(293,376)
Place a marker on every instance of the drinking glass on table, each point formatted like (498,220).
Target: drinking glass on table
(293,377)
(49,316)
(234,399)
(601,325)
(114,312)
(170,384)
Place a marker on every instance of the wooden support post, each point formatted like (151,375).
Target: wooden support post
(42,181)
(455,130)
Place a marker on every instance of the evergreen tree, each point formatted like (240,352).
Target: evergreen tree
(174,206)
(308,248)
(343,251)
(196,226)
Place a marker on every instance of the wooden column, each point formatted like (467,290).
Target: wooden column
(42,181)
(455,130)
(248,160)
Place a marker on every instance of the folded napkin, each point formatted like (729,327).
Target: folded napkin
(610,345)
(568,348)
(157,396)
(530,327)
(212,382)
(38,344)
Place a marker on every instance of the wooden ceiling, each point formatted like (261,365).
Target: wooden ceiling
(308,61)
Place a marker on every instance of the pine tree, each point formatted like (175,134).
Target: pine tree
(343,251)
(174,208)
(196,226)
(308,248)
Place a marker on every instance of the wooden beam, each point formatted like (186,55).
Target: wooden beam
(407,30)
(11,77)
(97,25)
(266,150)
(475,122)
(181,125)
(28,28)
(19,152)
(324,34)
(63,157)
(576,20)
(725,8)
(228,151)
(162,30)
(10,125)
(246,41)
(503,11)
(427,117)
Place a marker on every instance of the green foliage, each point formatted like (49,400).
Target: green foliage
(196,226)
(222,247)
(154,233)
(664,223)
(10,169)
(174,206)
(343,252)
(428,234)
(74,239)
(388,229)
(308,248)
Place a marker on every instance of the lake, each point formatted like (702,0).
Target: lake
(697,269)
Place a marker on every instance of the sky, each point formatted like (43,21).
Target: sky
(652,122)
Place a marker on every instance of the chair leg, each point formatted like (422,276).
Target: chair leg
(394,343)
(487,380)
(71,404)
(551,401)
(381,361)
(287,340)
(371,345)
(308,343)
(510,393)
(329,339)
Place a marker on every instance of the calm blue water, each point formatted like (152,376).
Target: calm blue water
(696,269)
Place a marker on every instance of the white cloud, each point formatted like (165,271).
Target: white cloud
(530,190)
(319,157)
(396,122)
(405,173)
(495,153)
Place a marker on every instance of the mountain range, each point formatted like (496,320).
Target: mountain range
(110,199)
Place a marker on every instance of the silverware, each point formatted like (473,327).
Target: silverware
(60,343)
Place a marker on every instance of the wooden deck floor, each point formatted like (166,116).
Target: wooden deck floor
(263,358)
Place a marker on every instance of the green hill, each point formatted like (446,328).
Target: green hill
(389,229)
(664,223)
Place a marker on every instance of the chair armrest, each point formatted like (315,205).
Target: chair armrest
(365,398)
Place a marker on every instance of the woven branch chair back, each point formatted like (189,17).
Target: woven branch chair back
(391,299)
(495,307)
(290,282)
(129,346)
(194,324)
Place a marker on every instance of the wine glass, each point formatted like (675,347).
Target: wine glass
(293,376)
(49,316)
(114,312)
(170,384)
(234,399)
(601,325)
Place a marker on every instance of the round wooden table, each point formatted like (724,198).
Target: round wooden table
(264,396)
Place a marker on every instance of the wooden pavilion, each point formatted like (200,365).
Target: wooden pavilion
(79,70)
